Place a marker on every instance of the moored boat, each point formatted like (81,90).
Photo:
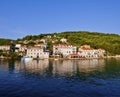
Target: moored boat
(26,58)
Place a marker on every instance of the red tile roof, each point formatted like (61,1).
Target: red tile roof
(73,54)
(63,45)
(87,48)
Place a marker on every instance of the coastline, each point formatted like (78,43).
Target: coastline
(116,56)
(51,58)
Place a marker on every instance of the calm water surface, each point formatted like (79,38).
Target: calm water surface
(61,78)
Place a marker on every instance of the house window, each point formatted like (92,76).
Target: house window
(56,48)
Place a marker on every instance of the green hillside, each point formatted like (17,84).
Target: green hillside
(109,42)
(5,41)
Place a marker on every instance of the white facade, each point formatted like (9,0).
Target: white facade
(37,52)
(43,40)
(18,45)
(48,36)
(5,47)
(21,48)
(63,40)
(41,45)
(86,51)
(64,49)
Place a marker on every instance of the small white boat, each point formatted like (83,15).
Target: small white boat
(55,59)
(26,58)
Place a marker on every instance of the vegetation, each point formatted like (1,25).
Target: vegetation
(14,55)
(5,41)
(11,55)
(109,42)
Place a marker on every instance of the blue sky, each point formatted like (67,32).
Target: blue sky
(19,18)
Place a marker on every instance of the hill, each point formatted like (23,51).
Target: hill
(109,42)
(5,41)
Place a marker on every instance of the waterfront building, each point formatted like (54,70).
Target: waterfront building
(41,45)
(18,45)
(5,47)
(85,51)
(64,50)
(37,52)
(21,49)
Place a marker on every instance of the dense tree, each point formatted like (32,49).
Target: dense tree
(109,42)
(5,41)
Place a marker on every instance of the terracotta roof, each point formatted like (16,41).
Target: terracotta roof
(23,46)
(87,48)
(100,49)
(85,45)
(73,54)
(62,45)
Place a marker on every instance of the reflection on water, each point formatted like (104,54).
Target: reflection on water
(66,67)
(35,66)
(87,66)
(61,78)
(59,67)
(4,66)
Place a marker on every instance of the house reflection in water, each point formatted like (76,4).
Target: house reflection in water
(35,66)
(60,67)
(88,66)
(72,67)
(64,67)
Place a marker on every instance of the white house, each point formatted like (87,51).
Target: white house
(64,49)
(23,48)
(48,36)
(37,52)
(63,40)
(43,40)
(20,48)
(41,45)
(18,45)
(86,51)
(5,47)
(101,52)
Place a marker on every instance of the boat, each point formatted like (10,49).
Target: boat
(55,59)
(26,58)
